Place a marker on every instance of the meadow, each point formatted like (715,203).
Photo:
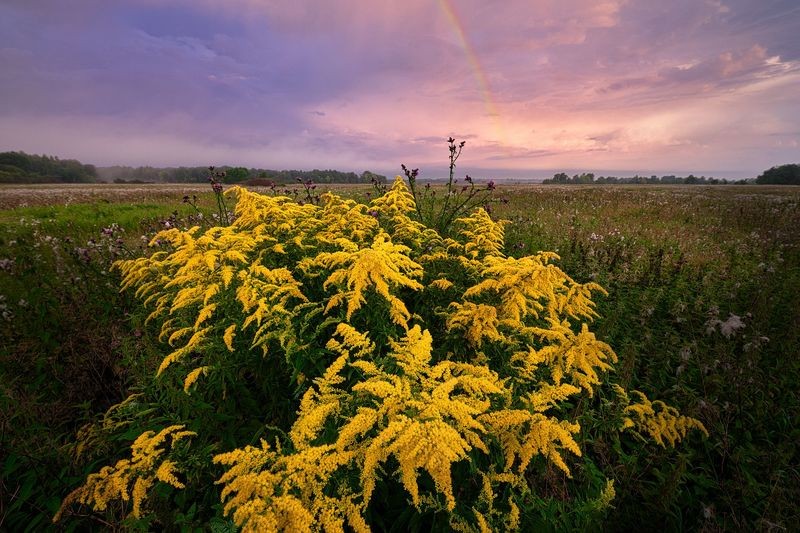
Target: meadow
(702,310)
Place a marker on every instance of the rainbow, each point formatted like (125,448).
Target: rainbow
(472,59)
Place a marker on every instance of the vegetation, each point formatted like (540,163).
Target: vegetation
(124,174)
(687,313)
(19,167)
(588,177)
(440,213)
(780,175)
(392,302)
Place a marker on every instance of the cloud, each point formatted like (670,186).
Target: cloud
(747,65)
(532,84)
(729,70)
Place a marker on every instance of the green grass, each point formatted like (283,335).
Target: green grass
(88,216)
(68,349)
(678,262)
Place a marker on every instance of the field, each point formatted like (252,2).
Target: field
(702,311)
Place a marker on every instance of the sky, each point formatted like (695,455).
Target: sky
(534,87)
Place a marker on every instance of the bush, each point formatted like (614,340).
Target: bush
(343,365)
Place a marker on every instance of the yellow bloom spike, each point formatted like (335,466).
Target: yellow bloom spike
(131,478)
(178,354)
(606,496)
(660,421)
(166,474)
(478,321)
(193,376)
(483,236)
(441,284)
(397,207)
(228,336)
(380,267)
(205,314)
(264,489)
(523,435)
(352,339)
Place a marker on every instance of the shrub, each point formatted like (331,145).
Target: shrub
(331,361)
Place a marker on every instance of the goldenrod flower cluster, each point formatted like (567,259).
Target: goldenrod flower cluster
(659,420)
(131,479)
(409,348)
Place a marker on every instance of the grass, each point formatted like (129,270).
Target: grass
(679,263)
(702,310)
(67,343)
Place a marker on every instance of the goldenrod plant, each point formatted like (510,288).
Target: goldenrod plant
(328,361)
(438,207)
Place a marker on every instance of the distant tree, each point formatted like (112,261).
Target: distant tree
(561,177)
(236,174)
(780,175)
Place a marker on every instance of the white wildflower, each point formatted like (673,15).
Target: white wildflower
(730,326)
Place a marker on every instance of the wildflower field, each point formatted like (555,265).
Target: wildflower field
(555,358)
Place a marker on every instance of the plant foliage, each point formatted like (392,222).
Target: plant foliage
(329,360)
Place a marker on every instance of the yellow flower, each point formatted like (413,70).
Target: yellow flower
(228,336)
(483,236)
(193,376)
(137,474)
(606,496)
(380,267)
(441,284)
(659,420)
(479,322)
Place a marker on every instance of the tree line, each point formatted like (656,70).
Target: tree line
(589,177)
(777,175)
(125,174)
(19,167)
